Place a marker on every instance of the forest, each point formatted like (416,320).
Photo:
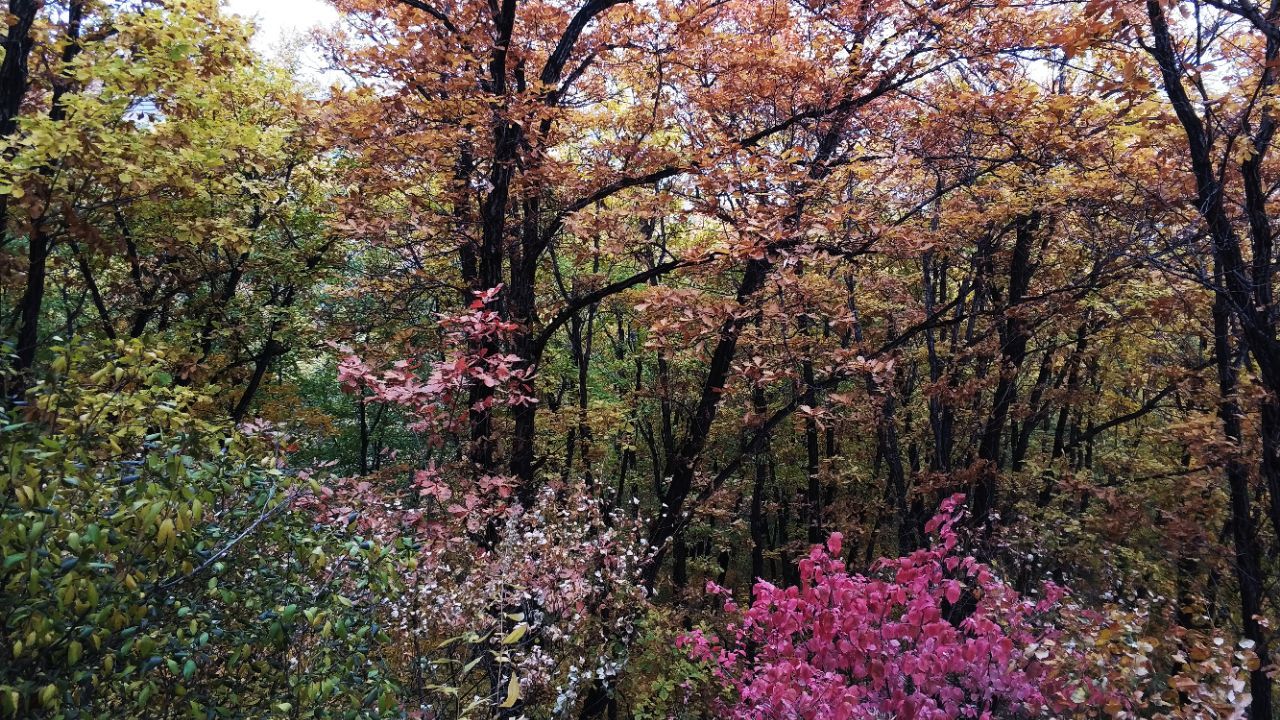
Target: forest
(652,359)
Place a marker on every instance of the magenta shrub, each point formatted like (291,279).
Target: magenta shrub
(933,635)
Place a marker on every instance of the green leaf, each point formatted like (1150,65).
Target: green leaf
(515,635)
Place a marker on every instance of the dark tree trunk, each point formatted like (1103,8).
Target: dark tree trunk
(14,80)
(681,461)
(759,523)
(1013,350)
(1249,572)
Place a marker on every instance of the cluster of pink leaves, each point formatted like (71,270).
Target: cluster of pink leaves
(436,391)
(893,645)
(431,510)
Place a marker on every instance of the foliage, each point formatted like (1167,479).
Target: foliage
(542,584)
(936,634)
(152,559)
(848,646)
(663,680)
(442,392)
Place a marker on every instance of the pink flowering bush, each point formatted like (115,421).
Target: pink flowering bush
(933,635)
(541,599)
(502,595)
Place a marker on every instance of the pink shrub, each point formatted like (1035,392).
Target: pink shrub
(436,392)
(893,645)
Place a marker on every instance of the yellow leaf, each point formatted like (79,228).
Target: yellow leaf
(165,534)
(513,692)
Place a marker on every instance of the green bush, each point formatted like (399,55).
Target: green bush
(153,560)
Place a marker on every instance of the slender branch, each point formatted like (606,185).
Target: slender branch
(269,512)
(433,12)
(1151,404)
(577,304)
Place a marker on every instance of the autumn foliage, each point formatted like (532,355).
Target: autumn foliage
(669,359)
(931,635)
(842,646)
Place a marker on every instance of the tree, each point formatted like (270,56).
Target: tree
(481,363)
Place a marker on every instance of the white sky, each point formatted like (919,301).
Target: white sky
(279,20)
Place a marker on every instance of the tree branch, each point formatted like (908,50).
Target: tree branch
(555,64)
(577,304)
(433,12)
